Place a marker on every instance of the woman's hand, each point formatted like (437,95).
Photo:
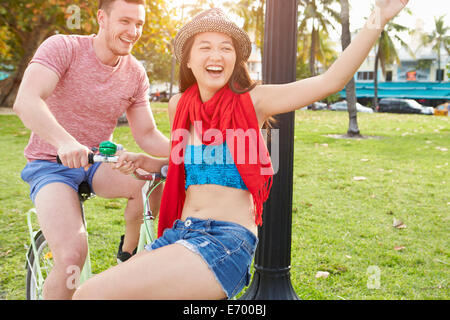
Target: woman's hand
(127,163)
(388,9)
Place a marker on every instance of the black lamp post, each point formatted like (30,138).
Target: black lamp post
(271,280)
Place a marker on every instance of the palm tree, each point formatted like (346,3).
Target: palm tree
(438,38)
(317,13)
(325,54)
(199,6)
(350,89)
(252,11)
(387,52)
(448,70)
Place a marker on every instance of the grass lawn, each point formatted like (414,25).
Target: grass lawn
(347,194)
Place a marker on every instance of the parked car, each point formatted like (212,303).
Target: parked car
(342,106)
(318,106)
(403,106)
(442,109)
(428,110)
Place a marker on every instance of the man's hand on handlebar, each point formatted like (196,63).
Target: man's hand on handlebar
(74,155)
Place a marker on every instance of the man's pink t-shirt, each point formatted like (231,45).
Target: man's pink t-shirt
(90,96)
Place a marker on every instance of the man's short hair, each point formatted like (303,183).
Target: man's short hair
(107,4)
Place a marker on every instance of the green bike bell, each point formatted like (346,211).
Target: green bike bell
(107,148)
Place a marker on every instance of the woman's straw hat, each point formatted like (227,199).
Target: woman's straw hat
(213,20)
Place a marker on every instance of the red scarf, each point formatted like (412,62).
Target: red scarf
(225,110)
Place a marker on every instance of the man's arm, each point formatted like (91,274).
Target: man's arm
(37,85)
(145,132)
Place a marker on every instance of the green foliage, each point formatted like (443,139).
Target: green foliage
(315,19)
(439,38)
(333,98)
(302,68)
(448,70)
(155,45)
(24,20)
(253,13)
(6,52)
(387,50)
(324,52)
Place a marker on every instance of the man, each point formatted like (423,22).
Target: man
(71,96)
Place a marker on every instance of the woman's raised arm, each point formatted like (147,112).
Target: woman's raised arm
(275,99)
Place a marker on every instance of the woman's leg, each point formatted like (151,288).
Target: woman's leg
(170,272)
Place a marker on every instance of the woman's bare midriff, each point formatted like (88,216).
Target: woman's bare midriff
(220,203)
(217,202)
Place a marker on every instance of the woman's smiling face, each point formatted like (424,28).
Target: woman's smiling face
(212,60)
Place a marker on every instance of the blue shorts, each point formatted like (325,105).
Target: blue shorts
(227,248)
(39,173)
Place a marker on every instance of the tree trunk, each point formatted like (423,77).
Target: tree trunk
(353,129)
(375,78)
(10,86)
(439,61)
(312,53)
(350,90)
(260,25)
(172,68)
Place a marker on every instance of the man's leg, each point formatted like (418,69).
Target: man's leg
(110,183)
(59,214)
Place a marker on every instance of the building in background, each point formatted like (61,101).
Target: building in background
(423,66)
(254,62)
(415,77)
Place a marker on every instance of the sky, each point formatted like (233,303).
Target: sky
(360,9)
(427,10)
(424,10)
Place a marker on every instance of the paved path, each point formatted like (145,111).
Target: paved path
(6,111)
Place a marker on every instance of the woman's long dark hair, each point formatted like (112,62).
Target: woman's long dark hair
(240,80)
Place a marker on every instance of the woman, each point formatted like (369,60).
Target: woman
(212,201)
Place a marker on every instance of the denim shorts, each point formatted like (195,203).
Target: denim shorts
(227,248)
(39,173)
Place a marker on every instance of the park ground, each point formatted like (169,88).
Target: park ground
(370,216)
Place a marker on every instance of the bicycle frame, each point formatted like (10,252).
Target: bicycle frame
(85,273)
(147,234)
(33,236)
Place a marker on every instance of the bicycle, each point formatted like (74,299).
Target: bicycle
(39,257)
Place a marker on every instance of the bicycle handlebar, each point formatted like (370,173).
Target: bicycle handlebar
(108,149)
(93,158)
(153,175)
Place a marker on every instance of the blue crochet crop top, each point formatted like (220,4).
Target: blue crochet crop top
(211,165)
